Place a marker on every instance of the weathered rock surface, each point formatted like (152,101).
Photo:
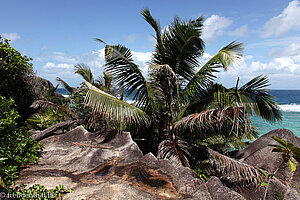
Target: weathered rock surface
(260,155)
(109,166)
(220,192)
(43,88)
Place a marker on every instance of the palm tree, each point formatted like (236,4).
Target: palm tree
(179,103)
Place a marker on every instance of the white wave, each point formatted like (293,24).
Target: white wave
(290,107)
(130,101)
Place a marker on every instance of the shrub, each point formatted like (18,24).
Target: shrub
(17,149)
(15,71)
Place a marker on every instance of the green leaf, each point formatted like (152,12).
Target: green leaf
(270,176)
(280,141)
(263,172)
(113,108)
(85,72)
(279,150)
(264,184)
(292,165)
(128,75)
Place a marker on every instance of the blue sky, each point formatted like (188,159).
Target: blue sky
(58,34)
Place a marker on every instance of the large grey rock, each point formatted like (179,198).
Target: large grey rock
(260,155)
(220,192)
(109,165)
(43,88)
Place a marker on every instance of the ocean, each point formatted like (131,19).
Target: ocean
(289,101)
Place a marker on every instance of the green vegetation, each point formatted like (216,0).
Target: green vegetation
(180,112)
(179,108)
(39,192)
(16,148)
(290,153)
(51,115)
(15,71)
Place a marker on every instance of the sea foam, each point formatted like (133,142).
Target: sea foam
(290,107)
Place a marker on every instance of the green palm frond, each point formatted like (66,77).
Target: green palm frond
(228,55)
(114,109)
(65,85)
(154,24)
(181,48)
(258,99)
(232,170)
(127,74)
(174,150)
(85,72)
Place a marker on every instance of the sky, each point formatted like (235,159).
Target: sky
(59,34)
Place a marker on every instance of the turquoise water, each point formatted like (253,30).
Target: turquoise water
(289,101)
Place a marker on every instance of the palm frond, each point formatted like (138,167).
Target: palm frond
(174,150)
(99,40)
(154,24)
(127,74)
(65,85)
(182,48)
(232,170)
(226,56)
(258,99)
(113,108)
(165,82)
(85,72)
(213,121)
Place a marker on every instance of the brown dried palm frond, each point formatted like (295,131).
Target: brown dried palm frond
(232,170)
(175,151)
(215,119)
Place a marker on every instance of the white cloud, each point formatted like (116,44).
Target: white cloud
(63,57)
(292,50)
(283,23)
(283,72)
(63,70)
(132,38)
(11,36)
(59,64)
(279,69)
(239,32)
(214,27)
(142,59)
(52,68)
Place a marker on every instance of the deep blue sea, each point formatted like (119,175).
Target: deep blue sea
(289,101)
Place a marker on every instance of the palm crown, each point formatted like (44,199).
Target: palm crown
(179,103)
